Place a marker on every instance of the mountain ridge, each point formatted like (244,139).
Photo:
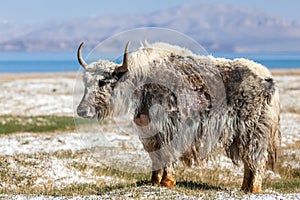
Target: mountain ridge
(218,27)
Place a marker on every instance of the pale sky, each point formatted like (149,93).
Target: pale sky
(38,11)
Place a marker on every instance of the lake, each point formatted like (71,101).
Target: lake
(26,62)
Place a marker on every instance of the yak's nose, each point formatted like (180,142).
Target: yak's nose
(88,112)
(81,112)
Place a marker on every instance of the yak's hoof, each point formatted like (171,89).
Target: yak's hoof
(156,180)
(168,182)
(245,189)
(253,189)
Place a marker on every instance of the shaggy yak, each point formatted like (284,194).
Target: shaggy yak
(184,106)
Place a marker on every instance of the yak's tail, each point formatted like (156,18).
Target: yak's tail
(275,134)
(273,150)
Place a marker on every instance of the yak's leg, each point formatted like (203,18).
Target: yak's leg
(257,179)
(160,175)
(157,168)
(151,144)
(162,171)
(168,178)
(247,178)
(253,178)
(157,171)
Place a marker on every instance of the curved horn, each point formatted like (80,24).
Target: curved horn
(125,59)
(124,66)
(79,56)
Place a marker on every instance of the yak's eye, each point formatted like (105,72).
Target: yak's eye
(101,83)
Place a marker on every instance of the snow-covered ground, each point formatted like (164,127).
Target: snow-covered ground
(109,144)
(38,95)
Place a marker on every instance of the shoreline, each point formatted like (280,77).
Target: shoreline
(285,72)
(73,74)
(34,75)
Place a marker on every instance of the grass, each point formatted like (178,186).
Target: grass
(290,177)
(14,124)
(289,182)
(15,180)
(189,181)
(37,124)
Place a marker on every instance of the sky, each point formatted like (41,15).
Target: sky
(21,12)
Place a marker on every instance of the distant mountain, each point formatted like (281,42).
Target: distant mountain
(216,27)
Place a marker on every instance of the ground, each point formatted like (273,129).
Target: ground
(45,156)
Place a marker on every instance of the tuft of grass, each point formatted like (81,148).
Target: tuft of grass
(131,178)
(292,109)
(289,182)
(295,145)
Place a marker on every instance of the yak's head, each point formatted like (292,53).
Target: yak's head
(100,79)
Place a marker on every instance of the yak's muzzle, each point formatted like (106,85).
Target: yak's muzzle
(86,111)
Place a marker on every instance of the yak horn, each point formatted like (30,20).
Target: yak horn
(79,56)
(124,66)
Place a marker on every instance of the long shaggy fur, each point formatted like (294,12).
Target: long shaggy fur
(184,105)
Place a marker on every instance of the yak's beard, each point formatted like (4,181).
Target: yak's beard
(103,113)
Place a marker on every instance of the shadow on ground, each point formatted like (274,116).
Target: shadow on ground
(188,185)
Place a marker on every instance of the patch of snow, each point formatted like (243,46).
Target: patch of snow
(50,170)
(30,97)
(272,175)
(30,143)
(290,128)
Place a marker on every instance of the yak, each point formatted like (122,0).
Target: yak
(185,105)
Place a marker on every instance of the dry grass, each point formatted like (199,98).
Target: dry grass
(285,72)
(16,180)
(292,109)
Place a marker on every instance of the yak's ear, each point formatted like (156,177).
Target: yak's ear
(124,67)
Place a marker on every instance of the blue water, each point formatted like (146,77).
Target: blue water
(26,62)
(20,62)
(270,60)
(38,66)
